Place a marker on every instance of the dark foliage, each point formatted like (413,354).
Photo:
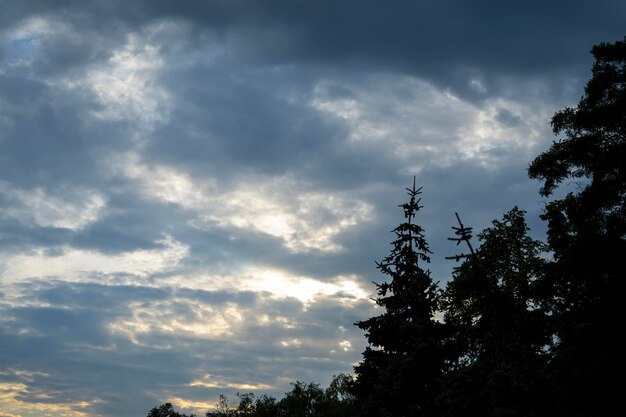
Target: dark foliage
(402,367)
(304,400)
(587,232)
(499,335)
(166,410)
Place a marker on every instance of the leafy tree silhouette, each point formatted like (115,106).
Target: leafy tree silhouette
(166,410)
(223,407)
(401,369)
(304,400)
(587,232)
(499,336)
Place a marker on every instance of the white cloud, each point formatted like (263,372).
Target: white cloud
(209,382)
(126,86)
(346,345)
(281,284)
(166,183)
(417,122)
(276,284)
(485,131)
(303,219)
(84,265)
(254,277)
(291,343)
(71,209)
(173,317)
(23,400)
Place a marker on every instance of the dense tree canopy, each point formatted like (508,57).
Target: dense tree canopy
(587,232)
(594,146)
(497,332)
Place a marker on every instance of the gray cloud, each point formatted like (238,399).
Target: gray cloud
(68,354)
(193,196)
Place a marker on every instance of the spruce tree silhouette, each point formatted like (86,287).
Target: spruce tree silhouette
(401,369)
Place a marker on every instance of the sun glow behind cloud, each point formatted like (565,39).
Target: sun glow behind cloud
(209,382)
(282,284)
(280,206)
(18,400)
(175,318)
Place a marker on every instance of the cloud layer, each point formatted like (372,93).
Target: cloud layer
(193,195)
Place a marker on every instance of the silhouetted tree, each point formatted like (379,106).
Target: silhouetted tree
(340,397)
(402,367)
(499,334)
(246,404)
(266,406)
(223,407)
(166,410)
(587,233)
(304,400)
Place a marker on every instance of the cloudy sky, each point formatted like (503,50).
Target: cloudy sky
(193,194)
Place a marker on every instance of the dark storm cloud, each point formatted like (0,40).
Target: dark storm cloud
(48,139)
(129,223)
(229,119)
(17,236)
(401,32)
(446,42)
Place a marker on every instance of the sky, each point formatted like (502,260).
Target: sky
(193,194)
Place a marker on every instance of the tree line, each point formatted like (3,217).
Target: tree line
(523,328)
